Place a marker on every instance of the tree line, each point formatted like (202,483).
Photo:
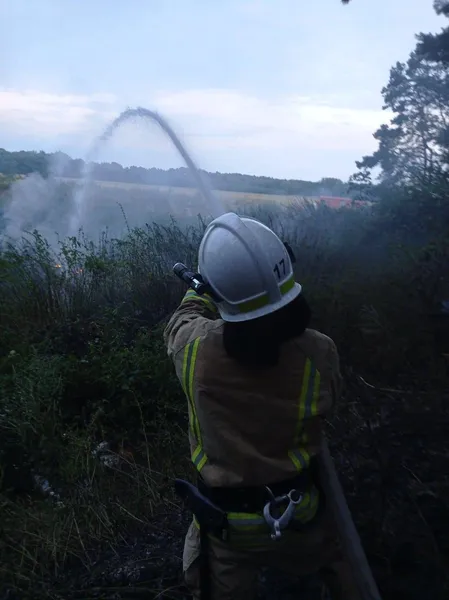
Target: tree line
(25,162)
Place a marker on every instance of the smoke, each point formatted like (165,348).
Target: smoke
(39,203)
(49,206)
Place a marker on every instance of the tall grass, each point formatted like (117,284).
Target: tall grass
(92,419)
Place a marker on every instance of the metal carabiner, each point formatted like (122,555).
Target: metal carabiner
(277,524)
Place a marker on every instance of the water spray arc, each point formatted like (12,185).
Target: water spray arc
(212,201)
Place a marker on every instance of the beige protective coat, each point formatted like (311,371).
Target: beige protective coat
(247,423)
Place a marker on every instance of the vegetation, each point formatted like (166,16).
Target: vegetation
(93,421)
(82,363)
(7,180)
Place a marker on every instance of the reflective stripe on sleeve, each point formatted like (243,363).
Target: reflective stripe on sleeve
(199,457)
(307,408)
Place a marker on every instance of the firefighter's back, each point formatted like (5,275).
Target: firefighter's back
(262,425)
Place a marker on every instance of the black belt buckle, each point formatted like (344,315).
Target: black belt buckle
(209,515)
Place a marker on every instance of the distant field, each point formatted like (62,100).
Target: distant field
(228,198)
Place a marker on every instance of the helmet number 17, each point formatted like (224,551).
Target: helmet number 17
(277,268)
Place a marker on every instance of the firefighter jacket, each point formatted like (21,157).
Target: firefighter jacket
(250,427)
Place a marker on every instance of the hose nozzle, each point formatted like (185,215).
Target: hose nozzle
(193,280)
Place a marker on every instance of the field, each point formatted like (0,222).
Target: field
(230,199)
(48,204)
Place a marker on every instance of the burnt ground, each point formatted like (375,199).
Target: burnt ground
(391,449)
(149,567)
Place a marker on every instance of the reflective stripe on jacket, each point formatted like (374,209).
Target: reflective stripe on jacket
(247,427)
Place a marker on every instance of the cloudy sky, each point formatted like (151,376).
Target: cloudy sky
(285,88)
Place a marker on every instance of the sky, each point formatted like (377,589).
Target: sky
(286,89)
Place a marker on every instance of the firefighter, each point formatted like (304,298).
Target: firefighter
(258,383)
